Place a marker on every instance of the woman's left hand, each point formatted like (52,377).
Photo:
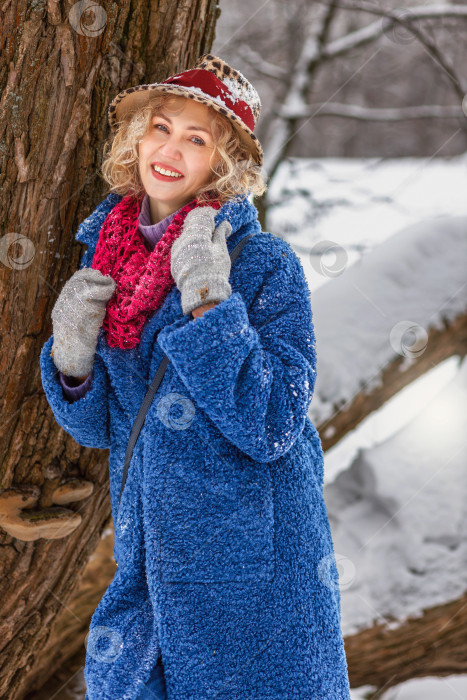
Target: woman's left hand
(200,261)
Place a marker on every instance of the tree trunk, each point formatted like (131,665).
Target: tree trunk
(64,648)
(50,152)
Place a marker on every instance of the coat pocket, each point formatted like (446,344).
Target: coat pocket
(217,521)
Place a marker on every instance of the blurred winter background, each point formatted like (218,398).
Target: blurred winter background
(364,130)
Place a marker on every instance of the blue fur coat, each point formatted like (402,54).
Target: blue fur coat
(225,559)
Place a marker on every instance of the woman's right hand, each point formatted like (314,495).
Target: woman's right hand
(77,318)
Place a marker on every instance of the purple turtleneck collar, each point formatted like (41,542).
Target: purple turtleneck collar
(153,232)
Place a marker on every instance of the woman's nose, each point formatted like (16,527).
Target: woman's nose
(171,146)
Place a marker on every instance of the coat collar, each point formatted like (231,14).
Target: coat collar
(238,211)
(242,216)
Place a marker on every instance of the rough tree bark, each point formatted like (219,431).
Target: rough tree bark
(433,644)
(58,72)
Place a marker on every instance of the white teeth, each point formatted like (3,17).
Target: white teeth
(165,172)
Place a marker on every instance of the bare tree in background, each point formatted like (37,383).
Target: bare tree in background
(60,66)
(330,59)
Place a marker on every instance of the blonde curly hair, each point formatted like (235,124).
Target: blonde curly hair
(234,173)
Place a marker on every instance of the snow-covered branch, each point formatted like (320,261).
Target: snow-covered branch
(410,20)
(337,109)
(373,31)
(399,524)
(392,316)
(262,67)
(281,131)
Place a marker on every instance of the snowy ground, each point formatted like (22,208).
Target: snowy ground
(360,202)
(398,515)
(449,688)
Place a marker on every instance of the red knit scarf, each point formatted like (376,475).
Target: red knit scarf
(143,277)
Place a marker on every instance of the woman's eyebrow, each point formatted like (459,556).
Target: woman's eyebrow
(190,128)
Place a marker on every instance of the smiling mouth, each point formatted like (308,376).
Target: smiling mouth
(166,172)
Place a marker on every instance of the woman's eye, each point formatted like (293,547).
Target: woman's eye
(200,141)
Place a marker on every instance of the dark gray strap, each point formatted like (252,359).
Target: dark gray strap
(140,418)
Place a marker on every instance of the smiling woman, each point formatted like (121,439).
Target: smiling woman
(185,137)
(176,155)
(227,583)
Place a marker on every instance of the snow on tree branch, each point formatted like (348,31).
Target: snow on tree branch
(337,109)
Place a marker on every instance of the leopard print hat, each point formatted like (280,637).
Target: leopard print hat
(211,81)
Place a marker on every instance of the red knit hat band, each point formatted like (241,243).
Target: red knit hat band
(210,85)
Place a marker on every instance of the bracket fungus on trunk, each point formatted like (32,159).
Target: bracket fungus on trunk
(19,519)
(72,490)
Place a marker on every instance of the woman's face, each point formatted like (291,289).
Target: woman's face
(179,140)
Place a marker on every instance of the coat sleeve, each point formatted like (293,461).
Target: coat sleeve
(85,419)
(253,372)
(88,230)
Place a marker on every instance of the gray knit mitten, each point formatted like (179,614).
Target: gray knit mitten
(77,318)
(200,260)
